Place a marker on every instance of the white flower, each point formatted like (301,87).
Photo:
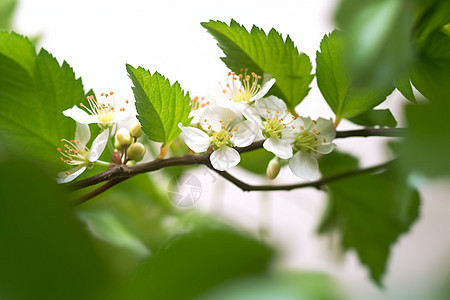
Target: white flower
(278,125)
(314,138)
(223,131)
(76,154)
(104,111)
(198,106)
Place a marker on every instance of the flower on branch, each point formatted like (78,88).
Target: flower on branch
(77,154)
(222,131)
(314,138)
(104,111)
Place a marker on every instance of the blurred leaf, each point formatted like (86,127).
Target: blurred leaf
(428,140)
(265,54)
(403,84)
(369,210)
(160,106)
(379,46)
(34,92)
(46,252)
(430,16)
(289,286)
(191,264)
(7,9)
(336,83)
(256,161)
(431,74)
(375,117)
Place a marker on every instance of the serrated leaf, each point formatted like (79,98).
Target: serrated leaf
(19,49)
(370,211)
(160,106)
(269,54)
(403,84)
(431,74)
(31,103)
(336,83)
(375,117)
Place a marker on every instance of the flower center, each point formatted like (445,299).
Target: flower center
(221,138)
(73,153)
(273,127)
(105,108)
(242,87)
(305,141)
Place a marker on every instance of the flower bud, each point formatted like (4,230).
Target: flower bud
(123,137)
(131,163)
(136,130)
(136,151)
(273,168)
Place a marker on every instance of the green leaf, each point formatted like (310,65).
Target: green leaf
(47,253)
(31,103)
(269,54)
(379,46)
(190,264)
(336,83)
(370,211)
(428,139)
(7,9)
(160,106)
(430,16)
(19,49)
(256,161)
(403,84)
(375,117)
(431,74)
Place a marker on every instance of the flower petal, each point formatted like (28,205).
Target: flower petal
(271,104)
(195,139)
(82,134)
(305,122)
(62,177)
(195,114)
(80,115)
(251,115)
(264,89)
(326,129)
(304,165)
(213,115)
(325,148)
(121,116)
(279,147)
(244,133)
(98,145)
(224,158)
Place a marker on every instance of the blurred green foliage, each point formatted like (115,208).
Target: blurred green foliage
(7,9)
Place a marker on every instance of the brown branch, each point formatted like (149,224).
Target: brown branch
(120,173)
(318,184)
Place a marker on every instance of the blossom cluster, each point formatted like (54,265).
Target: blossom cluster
(244,114)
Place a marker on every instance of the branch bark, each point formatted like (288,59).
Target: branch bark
(120,173)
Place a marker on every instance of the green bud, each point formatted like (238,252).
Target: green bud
(136,151)
(136,130)
(131,163)
(123,137)
(273,168)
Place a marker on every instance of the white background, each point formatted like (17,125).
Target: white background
(97,38)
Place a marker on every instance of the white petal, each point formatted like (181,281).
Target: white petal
(279,147)
(214,115)
(304,165)
(62,177)
(264,89)
(251,115)
(325,148)
(121,116)
(326,129)
(195,114)
(305,122)
(244,133)
(80,115)
(98,145)
(224,158)
(195,139)
(82,134)
(271,104)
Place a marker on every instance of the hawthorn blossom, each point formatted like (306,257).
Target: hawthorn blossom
(76,154)
(314,138)
(278,126)
(105,111)
(198,106)
(222,131)
(241,90)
